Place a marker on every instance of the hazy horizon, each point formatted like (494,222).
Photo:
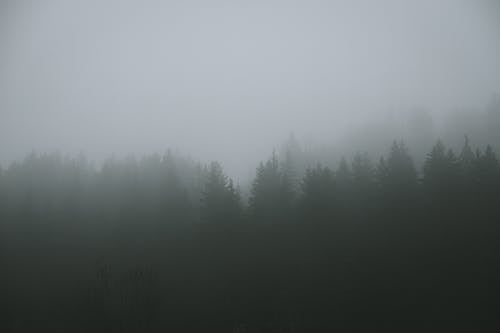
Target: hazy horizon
(229,80)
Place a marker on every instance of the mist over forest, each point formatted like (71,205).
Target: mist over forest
(265,166)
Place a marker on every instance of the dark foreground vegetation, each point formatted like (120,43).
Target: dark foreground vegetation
(164,244)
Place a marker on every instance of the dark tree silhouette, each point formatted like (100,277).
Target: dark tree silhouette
(441,171)
(468,166)
(271,194)
(220,200)
(488,172)
(397,175)
(318,194)
(164,243)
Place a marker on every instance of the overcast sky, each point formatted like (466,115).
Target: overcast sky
(227,80)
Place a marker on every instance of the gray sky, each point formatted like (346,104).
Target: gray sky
(227,80)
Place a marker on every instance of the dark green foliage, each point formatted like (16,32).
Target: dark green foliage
(401,173)
(467,160)
(396,180)
(220,203)
(165,244)
(488,172)
(318,194)
(441,170)
(271,194)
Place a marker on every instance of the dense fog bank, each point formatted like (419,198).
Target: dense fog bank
(227,81)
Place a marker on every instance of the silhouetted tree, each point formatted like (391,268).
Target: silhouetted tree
(441,171)
(220,201)
(468,162)
(488,173)
(397,174)
(271,195)
(318,198)
(347,258)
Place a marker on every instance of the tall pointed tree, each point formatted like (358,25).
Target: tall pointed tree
(317,197)
(220,203)
(488,172)
(441,170)
(400,176)
(468,164)
(271,195)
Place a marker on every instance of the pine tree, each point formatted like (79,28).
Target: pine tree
(343,190)
(318,193)
(468,166)
(488,171)
(441,170)
(271,195)
(400,177)
(220,201)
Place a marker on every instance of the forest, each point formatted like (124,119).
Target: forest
(164,243)
(268,166)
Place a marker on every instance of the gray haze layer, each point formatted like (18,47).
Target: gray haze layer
(228,80)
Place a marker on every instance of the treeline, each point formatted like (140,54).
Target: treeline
(165,243)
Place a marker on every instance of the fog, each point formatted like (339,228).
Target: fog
(249,166)
(230,80)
